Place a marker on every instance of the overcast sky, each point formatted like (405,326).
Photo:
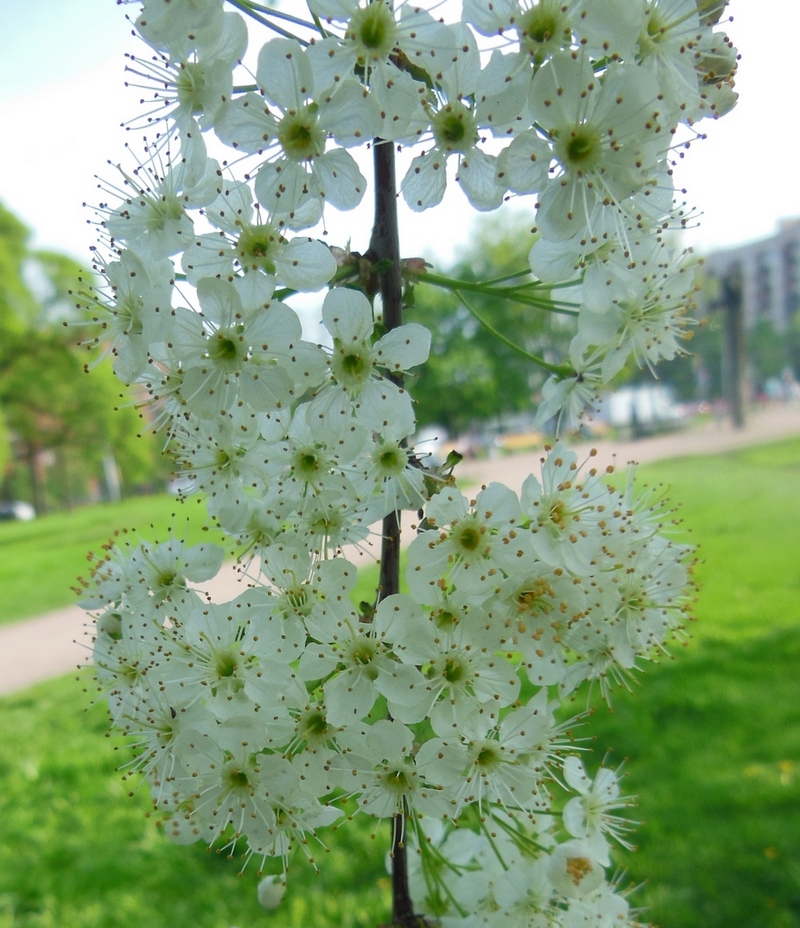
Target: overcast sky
(62,98)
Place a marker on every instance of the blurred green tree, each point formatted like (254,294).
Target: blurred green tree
(492,381)
(61,436)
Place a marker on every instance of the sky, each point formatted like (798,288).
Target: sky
(62,99)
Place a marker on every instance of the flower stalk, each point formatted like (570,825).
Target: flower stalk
(384,249)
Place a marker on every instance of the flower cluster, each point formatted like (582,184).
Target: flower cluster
(272,715)
(267,718)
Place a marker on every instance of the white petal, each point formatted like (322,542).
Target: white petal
(284,73)
(524,164)
(304,264)
(340,181)
(476,174)
(245,123)
(351,114)
(425,183)
(347,315)
(490,18)
(404,347)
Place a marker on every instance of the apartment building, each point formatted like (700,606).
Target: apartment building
(769,272)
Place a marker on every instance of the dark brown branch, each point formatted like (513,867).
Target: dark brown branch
(384,246)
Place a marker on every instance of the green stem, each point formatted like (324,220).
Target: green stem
(249,10)
(493,844)
(523,273)
(515,294)
(562,370)
(271,11)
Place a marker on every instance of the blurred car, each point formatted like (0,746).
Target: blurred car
(16,511)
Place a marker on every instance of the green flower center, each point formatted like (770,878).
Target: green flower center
(300,135)
(454,670)
(399,781)
(580,150)
(654,32)
(164,211)
(314,726)
(363,654)
(558,513)
(129,314)
(256,248)
(307,464)
(373,30)
(488,758)
(129,672)
(533,599)
(543,28)
(237,780)
(391,460)
(444,619)
(351,365)
(454,128)
(190,86)
(296,601)
(224,346)
(467,536)
(354,364)
(226,664)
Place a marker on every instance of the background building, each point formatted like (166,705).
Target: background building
(769,272)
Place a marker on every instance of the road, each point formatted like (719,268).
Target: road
(39,648)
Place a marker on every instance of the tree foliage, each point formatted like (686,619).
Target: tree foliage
(473,377)
(49,409)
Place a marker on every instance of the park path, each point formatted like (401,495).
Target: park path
(40,648)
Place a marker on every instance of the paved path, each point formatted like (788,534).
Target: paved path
(40,648)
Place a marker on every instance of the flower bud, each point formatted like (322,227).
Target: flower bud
(270,891)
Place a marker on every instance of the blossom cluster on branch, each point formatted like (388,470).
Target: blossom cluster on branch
(294,707)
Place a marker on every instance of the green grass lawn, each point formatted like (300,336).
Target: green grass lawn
(711,738)
(41,560)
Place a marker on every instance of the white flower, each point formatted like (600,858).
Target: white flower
(590,815)
(388,778)
(468,102)
(603,909)
(364,669)
(237,654)
(641,311)
(248,243)
(471,544)
(190,84)
(299,173)
(673,47)
(127,310)
(164,23)
(463,670)
(373,41)
(567,398)
(603,135)
(564,512)
(573,869)
(271,891)
(392,475)
(152,220)
(535,605)
(357,361)
(504,757)
(250,349)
